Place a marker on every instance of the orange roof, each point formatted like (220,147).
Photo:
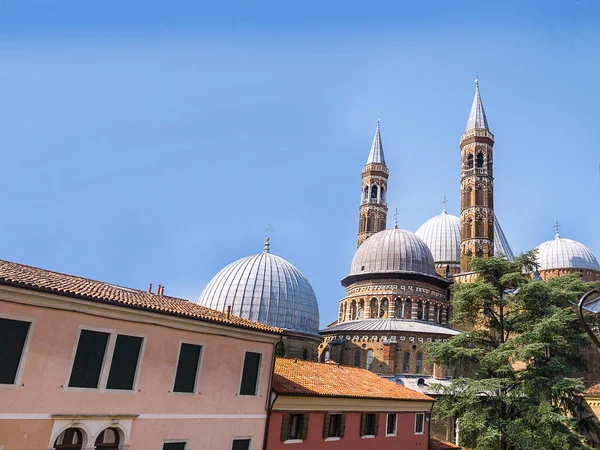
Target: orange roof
(592,390)
(439,445)
(33,278)
(295,377)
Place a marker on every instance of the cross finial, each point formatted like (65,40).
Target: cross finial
(444,203)
(267,246)
(396,218)
(557,226)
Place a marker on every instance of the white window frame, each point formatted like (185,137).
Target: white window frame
(423,431)
(175,441)
(395,433)
(258,377)
(26,345)
(236,438)
(107,361)
(196,391)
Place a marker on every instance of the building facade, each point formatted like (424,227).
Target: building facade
(89,365)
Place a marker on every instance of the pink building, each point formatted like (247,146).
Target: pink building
(90,365)
(327,406)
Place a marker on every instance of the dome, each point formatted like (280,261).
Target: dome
(560,253)
(267,289)
(442,236)
(393,250)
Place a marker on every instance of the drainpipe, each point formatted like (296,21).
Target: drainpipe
(429,426)
(271,395)
(457,438)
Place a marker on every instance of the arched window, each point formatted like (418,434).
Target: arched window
(361,313)
(366,193)
(326,356)
(470,161)
(369,359)
(71,439)
(407,310)
(419,367)
(357,358)
(373,191)
(108,440)
(383,194)
(406,363)
(420,312)
(305,355)
(479,161)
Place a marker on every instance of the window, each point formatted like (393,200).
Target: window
(479,160)
(392,424)
(294,427)
(373,191)
(470,161)
(369,359)
(187,368)
(71,439)
(419,423)
(13,335)
(108,440)
(369,425)
(250,373)
(326,356)
(174,445)
(334,425)
(89,360)
(357,358)
(419,367)
(241,444)
(406,363)
(305,354)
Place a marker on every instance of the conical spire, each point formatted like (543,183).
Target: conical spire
(477,119)
(376,155)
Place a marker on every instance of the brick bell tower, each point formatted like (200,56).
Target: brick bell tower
(476,187)
(373,208)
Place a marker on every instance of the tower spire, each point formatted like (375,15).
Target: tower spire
(477,119)
(376,154)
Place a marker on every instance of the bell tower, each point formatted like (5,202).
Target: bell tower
(373,208)
(476,187)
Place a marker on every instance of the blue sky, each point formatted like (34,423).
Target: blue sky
(148,141)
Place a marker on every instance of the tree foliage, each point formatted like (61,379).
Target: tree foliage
(518,355)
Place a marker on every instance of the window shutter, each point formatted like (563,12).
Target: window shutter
(342,424)
(304,426)
(376,424)
(285,427)
(326,426)
(363,423)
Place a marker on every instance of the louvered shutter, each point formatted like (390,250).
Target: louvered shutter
(304,426)
(363,424)
(285,427)
(343,425)
(326,426)
(376,424)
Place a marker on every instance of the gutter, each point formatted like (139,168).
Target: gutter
(271,395)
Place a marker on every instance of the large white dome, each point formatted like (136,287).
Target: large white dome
(560,253)
(393,250)
(267,289)
(442,236)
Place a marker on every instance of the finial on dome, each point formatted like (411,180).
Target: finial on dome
(396,219)
(267,247)
(444,203)
(557,226)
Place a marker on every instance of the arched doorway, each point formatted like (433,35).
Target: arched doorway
(71,439)
(108,439)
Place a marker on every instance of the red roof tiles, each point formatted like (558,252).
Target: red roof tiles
(295,377)
(439,445)
(33,278)
(592,390)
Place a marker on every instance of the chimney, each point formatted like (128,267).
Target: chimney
(162,290)
(150,289)
(228,313)
(158,289)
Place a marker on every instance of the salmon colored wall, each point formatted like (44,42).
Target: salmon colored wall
(47,367)
(405,438)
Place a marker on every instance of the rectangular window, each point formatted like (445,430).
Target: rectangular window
(13,335)
(241,444)
(294,427)
(250,373)
(173,446)
(88,359)
(124,362)
(419,423)
(392,420)
(187,368)
(334,425)
(369,424)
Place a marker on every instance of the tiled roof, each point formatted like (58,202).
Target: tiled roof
(391,325)
(295,377)
(33,278)
(592,390)
(439,445)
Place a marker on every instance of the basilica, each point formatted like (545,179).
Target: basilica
(397,289)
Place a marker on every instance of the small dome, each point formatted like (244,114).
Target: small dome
(393,250)
(267,289)
(560,253)
(442,236)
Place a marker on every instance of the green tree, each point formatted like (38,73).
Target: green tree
(521,347)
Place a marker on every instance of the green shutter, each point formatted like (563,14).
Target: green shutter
(363,423)
(376,424)
(343,425)
(285,427)
(304,426)
(326,426)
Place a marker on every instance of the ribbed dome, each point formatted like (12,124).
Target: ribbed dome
(560,253)
(267,289)
(442,236)
(393,250)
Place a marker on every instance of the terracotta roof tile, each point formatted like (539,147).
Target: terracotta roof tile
(439,445)
(295,377)
(33,278)
(592,390)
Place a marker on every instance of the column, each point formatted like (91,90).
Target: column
(415,309)
(431,314)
